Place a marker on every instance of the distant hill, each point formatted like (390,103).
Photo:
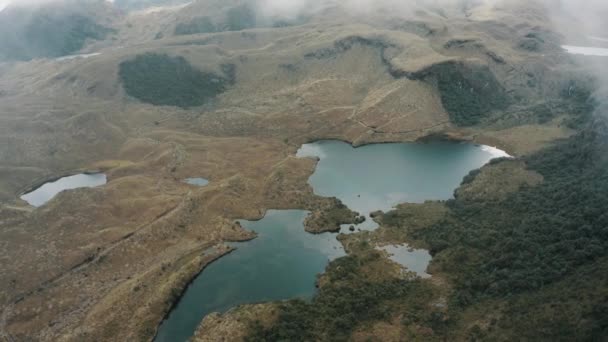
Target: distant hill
(52,30)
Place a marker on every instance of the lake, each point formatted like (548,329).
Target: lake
(47,191)
(284,260)
(281,263)
(380,176)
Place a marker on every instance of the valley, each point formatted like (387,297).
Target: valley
(164,98)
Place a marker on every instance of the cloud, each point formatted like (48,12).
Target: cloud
(5,3)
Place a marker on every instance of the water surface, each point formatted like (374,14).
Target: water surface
(415,260)
(586,50)
(281,263)
(196,181)
(380,176)
(47,191)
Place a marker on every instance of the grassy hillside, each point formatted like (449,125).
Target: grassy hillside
(196,25)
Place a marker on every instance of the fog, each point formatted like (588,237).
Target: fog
(293,8)
(583,24)
(586,16)
(580,22)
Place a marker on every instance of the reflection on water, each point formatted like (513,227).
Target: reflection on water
(281,263)
(46,192)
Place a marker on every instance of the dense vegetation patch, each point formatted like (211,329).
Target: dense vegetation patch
(469,93)
(539,234)
(160,79)
(532,249)
(348,300)
(25,36)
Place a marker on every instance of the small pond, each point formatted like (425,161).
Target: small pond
(47,191)
(414,260)
(196,181)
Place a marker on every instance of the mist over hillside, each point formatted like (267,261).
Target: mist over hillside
(53,29)
(141,4)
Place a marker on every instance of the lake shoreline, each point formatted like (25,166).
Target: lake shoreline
(458,156)
(37,184)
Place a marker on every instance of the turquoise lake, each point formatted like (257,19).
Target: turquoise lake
(380,176)
(284,260)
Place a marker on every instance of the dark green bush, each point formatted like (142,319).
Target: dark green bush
(469,94)
(343,304)
(163,80)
